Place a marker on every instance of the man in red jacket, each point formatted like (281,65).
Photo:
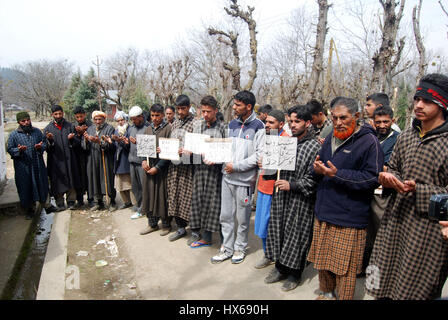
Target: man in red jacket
(274,125)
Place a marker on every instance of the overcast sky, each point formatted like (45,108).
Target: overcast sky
(82,29)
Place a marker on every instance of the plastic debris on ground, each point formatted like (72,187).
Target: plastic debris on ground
(101,263)
(110,244)
(82,253)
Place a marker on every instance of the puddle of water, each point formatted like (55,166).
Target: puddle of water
(29,277)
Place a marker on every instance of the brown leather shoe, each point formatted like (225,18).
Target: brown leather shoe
(165,231)
(149,229)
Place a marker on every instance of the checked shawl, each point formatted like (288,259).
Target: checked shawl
(180,174)
(292,212)
(206,200)
(410,256)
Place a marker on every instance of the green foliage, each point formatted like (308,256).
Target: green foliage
(402,104)
(69,96)
(82,92)
(139,98)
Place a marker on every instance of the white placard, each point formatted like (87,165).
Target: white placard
(218,150)
(195,142)
(169,148)
(280,153)
(146,145)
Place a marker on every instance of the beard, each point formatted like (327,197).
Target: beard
(298,133)
(26,129)
(342,135)
(122,129)
(381,136)
(59,121)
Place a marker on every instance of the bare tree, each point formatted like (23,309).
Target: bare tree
(230,39)
(286,63)
(120,75)
(207,57)
(170,79)
(445,11)
(41,84)
(318,57)
(388,57)
(422,64)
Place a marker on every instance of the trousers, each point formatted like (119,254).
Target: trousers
(236,207)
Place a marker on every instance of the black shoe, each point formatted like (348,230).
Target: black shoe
(75,206)
(98,207)
(60,208)
(51,209)
(125,206)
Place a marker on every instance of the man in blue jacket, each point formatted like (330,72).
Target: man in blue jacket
(347,170)
(239,177)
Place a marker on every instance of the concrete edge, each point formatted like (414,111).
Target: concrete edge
(8,290)
(52,279)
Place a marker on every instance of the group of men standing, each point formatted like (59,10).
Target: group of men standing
(357,200)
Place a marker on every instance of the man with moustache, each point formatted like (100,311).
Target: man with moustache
(154,185)
(239,177)
(346,170)
(274,126)
(81,126)
(292,214)
(206,197)
(410,256)
(374,101)
(138,126)
(100,164)
(62,165)
(26,146)
(170,113)
(383,118)
(180,173)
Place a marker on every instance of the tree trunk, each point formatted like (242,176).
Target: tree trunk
(422,64)
(382,65)
(318,56)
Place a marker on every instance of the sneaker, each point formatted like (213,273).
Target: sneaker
(149,229)
(194,237)
(238,257)
(263,263)
(136,215)
(165,231)
(221,256)
(274,276)
(112,207)
(179,234)
(291,283)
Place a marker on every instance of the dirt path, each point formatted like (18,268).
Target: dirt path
(94,234)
